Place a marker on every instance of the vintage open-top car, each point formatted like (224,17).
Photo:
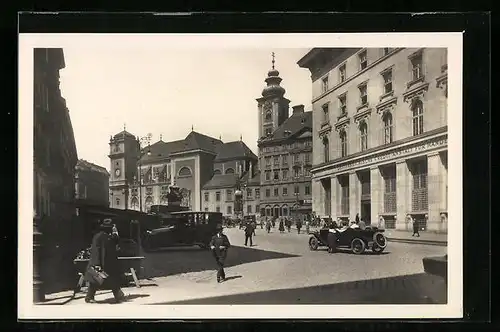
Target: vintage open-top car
(356,239)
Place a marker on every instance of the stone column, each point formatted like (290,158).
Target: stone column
(434,174)
(444,192)
(334,184)
(403,190)
(316,196)
(353,195)
(376,194)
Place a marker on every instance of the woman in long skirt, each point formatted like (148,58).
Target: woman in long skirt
(281,226)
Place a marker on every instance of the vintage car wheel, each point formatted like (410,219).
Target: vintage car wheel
(358,246)
(313,243)
(376,249)
(380,240)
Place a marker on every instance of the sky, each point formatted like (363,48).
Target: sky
(169,91)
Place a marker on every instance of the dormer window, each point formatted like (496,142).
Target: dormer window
(324,84)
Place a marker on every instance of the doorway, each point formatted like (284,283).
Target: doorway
(366,211)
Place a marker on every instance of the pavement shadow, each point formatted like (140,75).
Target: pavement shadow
(346,251)
(167,263)
(128,298)
(233,277)
(418,288)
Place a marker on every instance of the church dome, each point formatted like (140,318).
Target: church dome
(273,81)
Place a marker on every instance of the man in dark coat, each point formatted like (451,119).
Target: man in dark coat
(332,237)
(249,230)
(219,246)
(104,257)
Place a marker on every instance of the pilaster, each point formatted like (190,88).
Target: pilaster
(434,177)
(402,194)
(334,184)
(376,194)
(354,199)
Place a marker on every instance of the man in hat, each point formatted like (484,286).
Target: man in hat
(219,245)
(104,257)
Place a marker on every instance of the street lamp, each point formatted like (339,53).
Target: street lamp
(139,163)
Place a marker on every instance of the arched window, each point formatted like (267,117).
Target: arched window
(269,116)
(134,204)
(417,110)
(229,171)
(343,143)
(284,210)
(185,171)
(363,134)
(387,127)
(268,211)
(217,172)
(326,149)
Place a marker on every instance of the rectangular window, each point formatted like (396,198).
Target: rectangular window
(363,62)
(343,104)
(307,158)
(257,193)
(285,191)
(296,158)
(229,209)
(342,73)
(387,50)
(217,196)
(419,190)
(326,115)
(344,199)
(387,76)
(307,171)
(249,209)
(390,204)
(296,190)
(206,197)
(276,175)
(217,209)
(284,158)
(308,144)
(276,160)
(268,175)
(416,66)
(276,192)
(268,192)
(249,192)
(363,96)
(296,172)
(268,161)
(285,174)
(324,84)
(307,190)
(229,195)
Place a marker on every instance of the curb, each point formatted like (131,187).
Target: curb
(427,242)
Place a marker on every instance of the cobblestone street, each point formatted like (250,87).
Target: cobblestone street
(280,269)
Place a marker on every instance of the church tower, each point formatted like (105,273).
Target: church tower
(124,150)
(273,106)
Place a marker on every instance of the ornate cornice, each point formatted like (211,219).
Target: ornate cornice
(387,106)
(342,124)
(362,115)
(324,130)
(416,92)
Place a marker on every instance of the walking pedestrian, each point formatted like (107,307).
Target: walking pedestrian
(248,234)
(254,226)
(268,226)
(288,224)
(415,227)
(104,257)
(307,226)
(281,226)
(299,226)
(219,246)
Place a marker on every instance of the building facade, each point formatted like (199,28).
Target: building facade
(91,183)
(55,154)
(380,135)
(235,168)
(285,152)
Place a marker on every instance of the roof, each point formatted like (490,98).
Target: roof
(124,133)
(234,150)
(253,181)
(292,126)
(84,165)
(193,141)
(222,181)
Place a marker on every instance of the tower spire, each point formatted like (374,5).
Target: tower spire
(273,59)
(124,127)
(192,128)
(241,137)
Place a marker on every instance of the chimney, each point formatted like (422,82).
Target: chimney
(298,109)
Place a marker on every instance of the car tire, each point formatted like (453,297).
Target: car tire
(313,243)
(380,240)
(377,249)
(358,246)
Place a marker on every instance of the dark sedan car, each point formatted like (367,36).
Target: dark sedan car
(355,239)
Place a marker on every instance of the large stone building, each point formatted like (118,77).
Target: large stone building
(285,152)
(235,168)
(91,183)
(193,164)
(380,135)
